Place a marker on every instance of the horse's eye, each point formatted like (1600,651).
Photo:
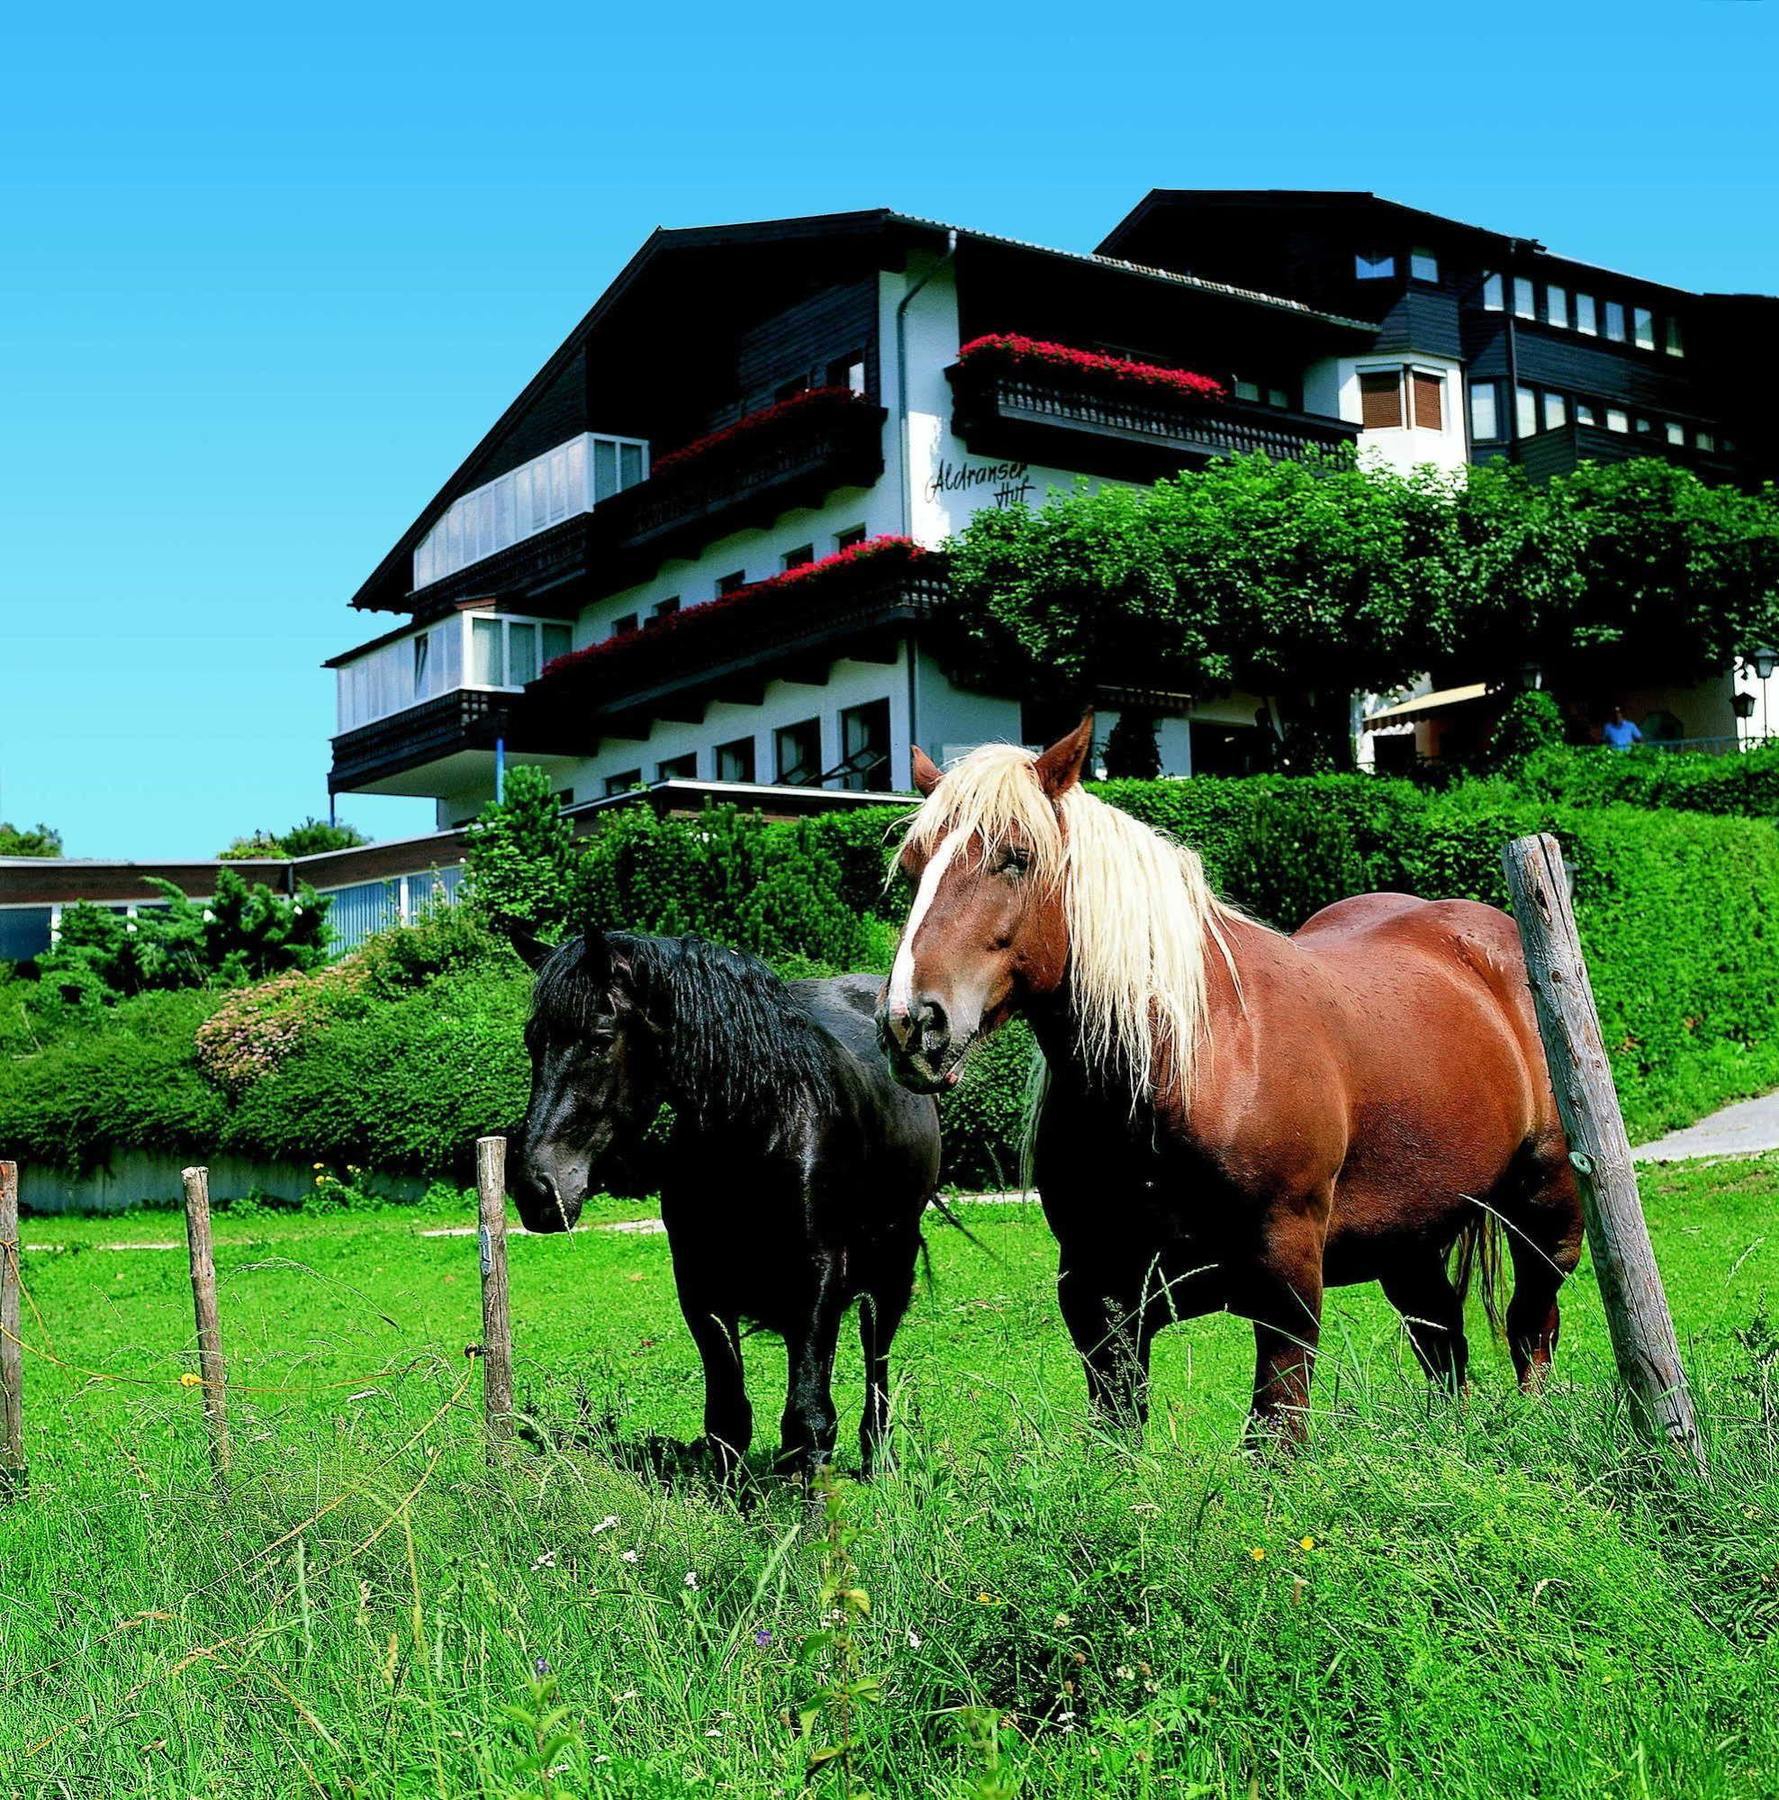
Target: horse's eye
(1014,861)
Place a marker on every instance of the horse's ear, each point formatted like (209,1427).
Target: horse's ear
(531,950)
(1059,768)
(927,773)
(596,955)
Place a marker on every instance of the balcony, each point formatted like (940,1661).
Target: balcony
(1561,450)
(793,626)
(1056,417)
(419,709)
(789,455)
(792,454)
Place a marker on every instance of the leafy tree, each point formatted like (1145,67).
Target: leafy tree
(308,837)
(521,860)
(29,840)
(1132,752)
(1307,582)
(245,931)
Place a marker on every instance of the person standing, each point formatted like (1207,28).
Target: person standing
(1619,732)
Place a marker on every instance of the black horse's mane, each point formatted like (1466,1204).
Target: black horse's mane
(740,1047)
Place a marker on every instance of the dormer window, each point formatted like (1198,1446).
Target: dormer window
(1374,265)
(1423,264)
(1492,297)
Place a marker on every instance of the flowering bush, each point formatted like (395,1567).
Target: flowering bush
(885,552)
(257,1027)
(812,403)
(1012,355)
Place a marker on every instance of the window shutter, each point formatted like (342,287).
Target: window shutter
(1380,399)
(1429,394)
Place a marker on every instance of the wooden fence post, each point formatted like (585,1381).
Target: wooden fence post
(1637,1313)
(211,1372)
(497,1323)
(13,1478)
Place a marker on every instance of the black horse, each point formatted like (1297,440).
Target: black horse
(796,1170)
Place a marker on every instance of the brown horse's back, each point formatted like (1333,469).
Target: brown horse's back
(1448,1098)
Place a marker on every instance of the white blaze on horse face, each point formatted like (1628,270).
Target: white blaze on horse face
(901,987)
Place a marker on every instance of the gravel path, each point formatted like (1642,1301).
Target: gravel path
(1744,1129)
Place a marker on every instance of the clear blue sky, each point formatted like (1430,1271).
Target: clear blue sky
(263,284)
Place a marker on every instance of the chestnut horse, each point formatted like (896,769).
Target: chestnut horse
(1234,1118)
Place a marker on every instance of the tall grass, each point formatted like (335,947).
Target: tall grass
(1503,1597)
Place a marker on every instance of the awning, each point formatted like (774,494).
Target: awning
(1423,704)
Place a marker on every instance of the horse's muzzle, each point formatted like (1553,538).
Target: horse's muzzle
(918,1043)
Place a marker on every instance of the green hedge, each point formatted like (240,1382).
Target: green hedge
(1746,785)
(402,1072)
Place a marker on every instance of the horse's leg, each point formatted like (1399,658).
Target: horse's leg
(880,1315)
(806,1432)
(1282,1295)
(1419,1288)
(728,1418)
(1108,1320)
(1544,1239)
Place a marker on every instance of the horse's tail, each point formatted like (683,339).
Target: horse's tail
(1478,1254)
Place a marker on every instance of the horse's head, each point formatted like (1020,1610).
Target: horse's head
(595,1081)
(988,931)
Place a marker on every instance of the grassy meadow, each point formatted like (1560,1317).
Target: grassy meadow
(1502,1597)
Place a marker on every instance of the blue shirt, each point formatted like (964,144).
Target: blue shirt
(1620,736)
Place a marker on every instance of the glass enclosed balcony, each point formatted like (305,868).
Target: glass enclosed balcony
(488,651)
(550,489)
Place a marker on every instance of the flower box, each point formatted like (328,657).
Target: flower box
(1005,354)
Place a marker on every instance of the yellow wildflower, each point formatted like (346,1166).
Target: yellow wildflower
(1258,1554)
(1306,1543)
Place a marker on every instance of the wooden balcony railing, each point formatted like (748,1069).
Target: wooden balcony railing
(1055,416)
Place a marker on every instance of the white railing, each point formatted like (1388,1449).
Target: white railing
(500,652)
(572,478)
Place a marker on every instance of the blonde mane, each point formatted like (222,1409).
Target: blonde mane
(1140,914)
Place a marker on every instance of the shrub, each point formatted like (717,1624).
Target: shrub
(132,1084)
(1745,784)
(244,932)
(520,857)
(308,837)
(29,840)
(1532,722)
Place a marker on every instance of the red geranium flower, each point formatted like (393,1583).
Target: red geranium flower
(1022,355)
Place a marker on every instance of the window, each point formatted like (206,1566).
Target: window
(798,750)
(1485,411)
(1556,305)
(521,654)
(487,661)
(853,534)
(1617,419)
(623,782)
(1585,321)
(1525,304)
(1676,432)
(795,559)
(625,624)
(1428,393)
(1278,397)
(1380,399)
(1423,264)
(865,747)
(727,584)
(1556,412)
(1492,297)
(1373,265)
(1643,327)
(1703,440)
(735,761)
(422,644)
(665,609)
(848,372)
(678,768)
(1615,321)
(1671,340)
(1247,390)
(558,641)
(1641,426)
(1525,411)
(1585,414)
